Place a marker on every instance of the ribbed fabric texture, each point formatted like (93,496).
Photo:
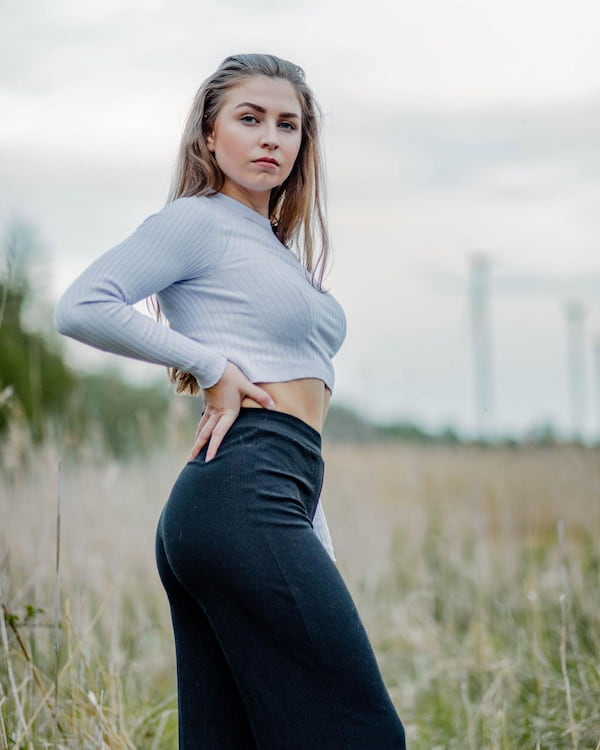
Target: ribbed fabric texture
(229,289)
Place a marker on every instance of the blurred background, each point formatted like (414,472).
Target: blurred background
(462,445)
(463,151)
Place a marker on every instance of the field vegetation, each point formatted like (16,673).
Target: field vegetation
(476,571)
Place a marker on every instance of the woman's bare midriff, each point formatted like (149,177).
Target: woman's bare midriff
(305,398)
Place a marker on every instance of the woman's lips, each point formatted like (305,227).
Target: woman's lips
(267,162)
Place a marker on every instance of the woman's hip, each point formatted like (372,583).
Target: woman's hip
(268,472)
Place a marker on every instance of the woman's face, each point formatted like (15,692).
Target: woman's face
(256,138)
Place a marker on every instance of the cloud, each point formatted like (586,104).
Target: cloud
(452,51)
(450,126)
(504,147)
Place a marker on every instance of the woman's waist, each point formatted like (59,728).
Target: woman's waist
(304,398)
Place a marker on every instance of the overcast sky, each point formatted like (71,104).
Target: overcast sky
(450,128)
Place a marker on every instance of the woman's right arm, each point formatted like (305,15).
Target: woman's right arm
(167,247)
(97,309)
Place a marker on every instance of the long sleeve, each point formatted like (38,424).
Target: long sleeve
(321,529)
(167,247)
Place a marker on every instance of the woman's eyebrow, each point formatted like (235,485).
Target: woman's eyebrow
(262,110)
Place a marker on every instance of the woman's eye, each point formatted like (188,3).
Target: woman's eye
(249,119)
(287,125)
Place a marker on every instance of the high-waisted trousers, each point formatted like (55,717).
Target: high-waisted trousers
(271,651)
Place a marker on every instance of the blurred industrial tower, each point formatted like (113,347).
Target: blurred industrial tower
(481,334)
(576,367)
(596,354)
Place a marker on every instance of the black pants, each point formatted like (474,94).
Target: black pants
(271,652)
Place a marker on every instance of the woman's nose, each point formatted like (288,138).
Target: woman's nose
(269,136)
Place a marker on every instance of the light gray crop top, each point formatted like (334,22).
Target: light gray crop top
(228,287)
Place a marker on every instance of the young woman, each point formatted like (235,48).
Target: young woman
(271,652)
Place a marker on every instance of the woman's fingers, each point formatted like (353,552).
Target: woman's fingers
(213,431)
(203,433)
(263,398)
(206,414)
(221,407)
(220,430)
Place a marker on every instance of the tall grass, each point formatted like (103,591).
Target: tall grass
(476,571)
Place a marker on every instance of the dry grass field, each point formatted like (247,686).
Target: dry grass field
(477,573)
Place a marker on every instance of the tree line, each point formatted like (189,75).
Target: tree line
(41,395)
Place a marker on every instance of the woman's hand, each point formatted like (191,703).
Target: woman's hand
(222,405)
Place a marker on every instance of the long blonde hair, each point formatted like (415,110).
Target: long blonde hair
(297,207)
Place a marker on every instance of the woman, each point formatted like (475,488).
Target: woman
(271,652)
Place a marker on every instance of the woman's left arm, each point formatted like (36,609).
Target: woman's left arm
(321,530)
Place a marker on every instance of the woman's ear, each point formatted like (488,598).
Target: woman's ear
(210,141)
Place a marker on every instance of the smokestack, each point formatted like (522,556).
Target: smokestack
(576,367)
(596,356)
(481,334)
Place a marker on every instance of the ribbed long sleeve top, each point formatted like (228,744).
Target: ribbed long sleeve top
(228,287)
(230,290)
